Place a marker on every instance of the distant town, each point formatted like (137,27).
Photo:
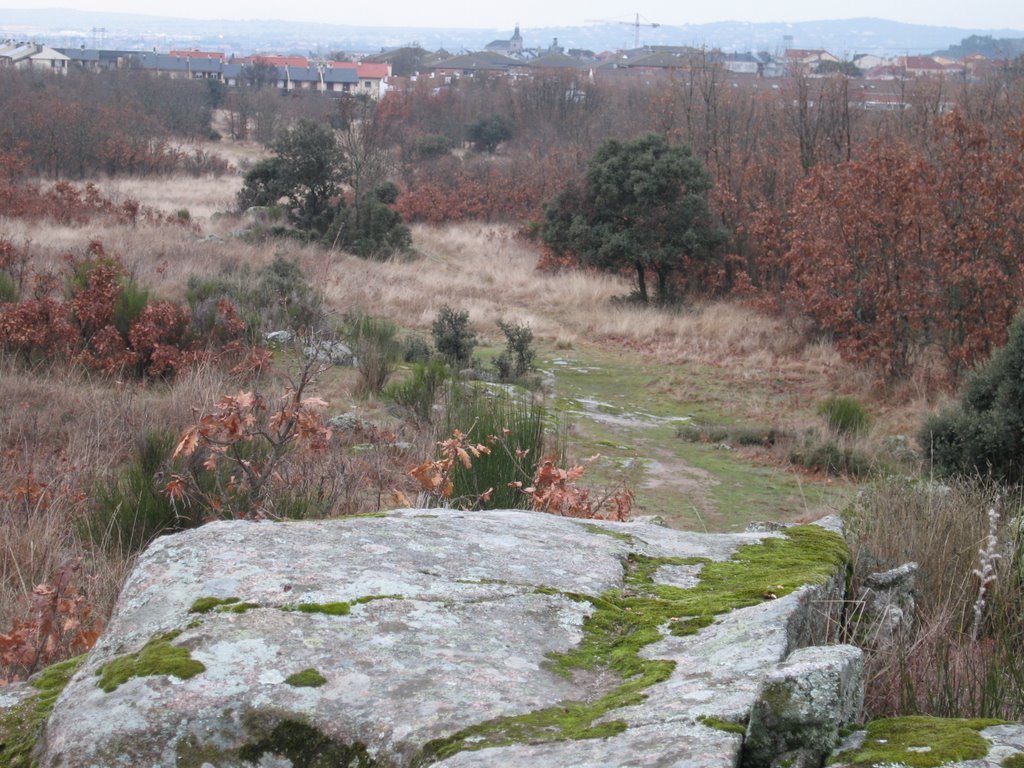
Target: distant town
(403,67)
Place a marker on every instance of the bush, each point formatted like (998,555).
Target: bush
(488,132)
(720,433)
(429,147)
(8,289)
(287,297)
(984,434)
(830,457)
(131,509)
(276,297)
(453,339)
(129,305)
(517,359)
(419,392)
(415,349)
(523,426)
(371,230)
(845,415)
(374,343)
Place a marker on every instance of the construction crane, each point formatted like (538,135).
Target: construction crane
(635,24)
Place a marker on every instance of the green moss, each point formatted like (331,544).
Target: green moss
(238,608)
(305,747)
(20,726)
(331,609)
(337,608)
(1013,761)
(207,604)
(898,739)
(624,621)
(307,678)
(277,735)
(158,657)
(628,538)
(220,605)
(722,725)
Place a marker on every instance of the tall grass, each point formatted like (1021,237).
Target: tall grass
(524,429)
(947,665)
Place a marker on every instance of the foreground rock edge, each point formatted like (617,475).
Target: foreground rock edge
(647,543)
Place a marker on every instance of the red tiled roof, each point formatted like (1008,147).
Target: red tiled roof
(280,61)
(368,71)
(374,71)
(921,62)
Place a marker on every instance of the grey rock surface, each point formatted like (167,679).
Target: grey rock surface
(13,695)
(887,606)
(802,705)
(456,633)
(333,352)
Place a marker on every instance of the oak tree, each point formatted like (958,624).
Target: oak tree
(643,206)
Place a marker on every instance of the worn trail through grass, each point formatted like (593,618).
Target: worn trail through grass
(627,410)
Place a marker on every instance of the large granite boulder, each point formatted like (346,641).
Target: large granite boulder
(439,637)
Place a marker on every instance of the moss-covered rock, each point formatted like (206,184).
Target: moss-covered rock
(520,639)
(157,657)
(307,678)
(20,725)
(917,742)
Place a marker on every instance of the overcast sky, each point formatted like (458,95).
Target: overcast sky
(976,14)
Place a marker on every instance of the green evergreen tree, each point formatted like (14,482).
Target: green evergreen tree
(984,433)
(643,207)
(305,169)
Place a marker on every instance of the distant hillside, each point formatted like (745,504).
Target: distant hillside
(65,27)
(986,45)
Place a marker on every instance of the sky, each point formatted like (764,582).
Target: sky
(975,14)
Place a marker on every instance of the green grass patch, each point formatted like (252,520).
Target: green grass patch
(1013,761)
(624,621)
(746,492)
(919,742)
(20,726)
(157,657)
(722,725)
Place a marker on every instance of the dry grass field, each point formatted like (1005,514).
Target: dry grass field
(626,375)
(66,429)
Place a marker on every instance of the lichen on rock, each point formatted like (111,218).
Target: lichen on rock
(519,638)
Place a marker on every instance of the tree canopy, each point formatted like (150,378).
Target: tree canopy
(310,164)
(643,206)
(984,434)
(488,132)
(305,169)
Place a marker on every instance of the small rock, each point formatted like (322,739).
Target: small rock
(333,352)
(888,606)
(343,421)
(803,703)
(279,337)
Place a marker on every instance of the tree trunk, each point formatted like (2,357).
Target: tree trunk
(641,279)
